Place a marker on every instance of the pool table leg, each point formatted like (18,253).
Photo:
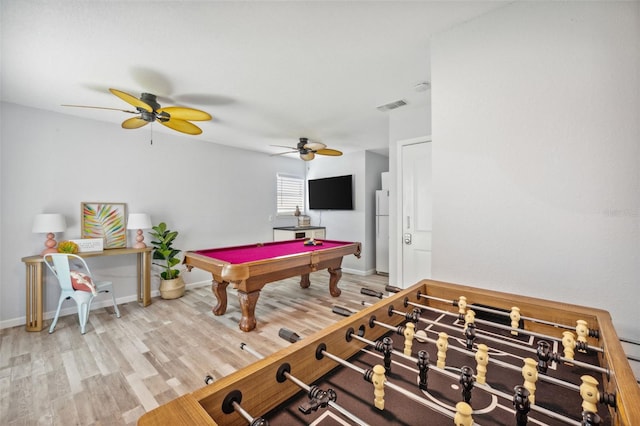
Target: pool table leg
(219,290)
(334,276)
(305,282)
(248,306)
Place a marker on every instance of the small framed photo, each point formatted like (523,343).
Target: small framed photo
(104,220)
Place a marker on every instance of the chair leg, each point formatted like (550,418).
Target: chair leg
(83,316)
(115,305)
(55,318)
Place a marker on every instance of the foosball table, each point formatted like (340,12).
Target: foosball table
(438,354)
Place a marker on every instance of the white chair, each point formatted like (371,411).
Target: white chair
(72,271)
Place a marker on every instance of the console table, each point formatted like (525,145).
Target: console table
(35,281)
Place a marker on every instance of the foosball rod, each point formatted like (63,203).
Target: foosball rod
(506,342)
(388,384)
(292,337)
(506,314)
(503,364)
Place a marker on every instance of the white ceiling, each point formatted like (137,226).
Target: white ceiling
(268,72)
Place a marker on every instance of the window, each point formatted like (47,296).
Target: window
(290,194)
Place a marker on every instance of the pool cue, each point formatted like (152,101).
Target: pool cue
(293,337)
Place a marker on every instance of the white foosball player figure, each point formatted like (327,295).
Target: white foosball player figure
(409,332)
(442,344)
(583,332)
(569,345)
(469,318)
(482,358)
(462,307)
(589,394)
(463,414)
(515,319)
(378,380)
(530,374)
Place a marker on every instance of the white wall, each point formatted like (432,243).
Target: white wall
(536,147)
(405,123)
(212,194)
(356,224)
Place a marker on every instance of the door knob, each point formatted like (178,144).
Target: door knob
(407,239)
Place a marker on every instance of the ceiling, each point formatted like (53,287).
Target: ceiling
(268,72)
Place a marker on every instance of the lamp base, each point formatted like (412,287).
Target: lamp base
(140,240)
(50,244)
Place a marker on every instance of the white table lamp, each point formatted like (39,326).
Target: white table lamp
(49,223)
(139,221)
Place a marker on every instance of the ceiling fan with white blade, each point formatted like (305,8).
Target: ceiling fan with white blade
(308,150)
(175,117)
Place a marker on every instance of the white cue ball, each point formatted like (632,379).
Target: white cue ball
(421,336)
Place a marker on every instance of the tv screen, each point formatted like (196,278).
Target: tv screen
(332,193)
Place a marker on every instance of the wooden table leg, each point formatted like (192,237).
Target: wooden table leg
(219,290)
(248,306)
(144,278)
(334,276)
(34,296)
(305,282)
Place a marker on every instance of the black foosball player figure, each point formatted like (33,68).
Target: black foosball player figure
(521,404)
(544,355)
(385,347)
(470,334)
(590,419)
(423,368)
(466,381)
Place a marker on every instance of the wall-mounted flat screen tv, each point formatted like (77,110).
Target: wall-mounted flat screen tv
(332,193)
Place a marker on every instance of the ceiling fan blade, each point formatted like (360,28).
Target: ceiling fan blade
(327,151)
(130,99)
(95,107)
(314,146)
(134,123)
(183,113)
(308,156)
(283,153)
(288,147)
(182,126)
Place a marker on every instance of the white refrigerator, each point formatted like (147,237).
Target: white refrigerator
(382,231)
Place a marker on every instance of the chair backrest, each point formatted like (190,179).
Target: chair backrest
(60,265)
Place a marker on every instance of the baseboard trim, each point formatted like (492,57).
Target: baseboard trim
(105,301)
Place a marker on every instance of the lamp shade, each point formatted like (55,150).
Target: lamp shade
(49,222)
(139,221)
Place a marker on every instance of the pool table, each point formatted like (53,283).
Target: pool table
(250,267)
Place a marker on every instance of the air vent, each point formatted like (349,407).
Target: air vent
(392,105)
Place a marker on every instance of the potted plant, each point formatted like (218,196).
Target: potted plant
(171,283)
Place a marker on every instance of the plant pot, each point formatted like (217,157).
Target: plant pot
(172,289)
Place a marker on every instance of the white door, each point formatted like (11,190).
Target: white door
(416,219)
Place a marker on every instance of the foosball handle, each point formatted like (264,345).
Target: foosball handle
(373,293)
(392,289)
(288,335)
(341,311)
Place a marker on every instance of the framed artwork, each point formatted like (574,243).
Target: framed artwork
(105,220)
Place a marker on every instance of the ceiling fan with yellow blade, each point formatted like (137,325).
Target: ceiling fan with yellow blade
(308,150)
(149,110)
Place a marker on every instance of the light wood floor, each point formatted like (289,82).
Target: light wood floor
(123,367)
